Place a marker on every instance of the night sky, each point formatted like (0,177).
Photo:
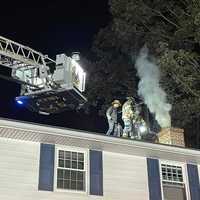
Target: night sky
(51,27)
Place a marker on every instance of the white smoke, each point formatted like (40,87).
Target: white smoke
(149,89)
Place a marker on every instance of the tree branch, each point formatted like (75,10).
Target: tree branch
(188,89)
(161,15)
(172,12)
(168,20)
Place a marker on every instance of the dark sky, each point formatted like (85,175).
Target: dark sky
(51,27)
(54,26)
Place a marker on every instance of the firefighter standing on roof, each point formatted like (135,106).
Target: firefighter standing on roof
(111,115)
(129,116)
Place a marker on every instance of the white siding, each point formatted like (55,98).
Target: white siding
(125,177)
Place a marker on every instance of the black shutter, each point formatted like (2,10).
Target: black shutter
(96,173)
(46,173)
(154,179)
(193,178)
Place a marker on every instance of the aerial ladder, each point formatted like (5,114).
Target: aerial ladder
(47,86)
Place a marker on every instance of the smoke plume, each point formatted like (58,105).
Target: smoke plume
(149,89)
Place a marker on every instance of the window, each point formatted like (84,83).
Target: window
(71,170)
(173,182)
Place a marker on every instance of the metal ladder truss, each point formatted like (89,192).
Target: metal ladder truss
(15,55)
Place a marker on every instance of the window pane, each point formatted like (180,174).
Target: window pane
(66,184)
(73,185)
(61,154)
(80,176)
(61,163)
(74,164)
(174,171)
(60,173)
(59,183)
(179,171)
(180,179)
(73,175)
(80,165)
(176,179)
(164,169)
(80,157)
(67,164)
(67,155)
(169,178)
(164,177)
(74,156)
(168,170)
(80,185)
(67,174)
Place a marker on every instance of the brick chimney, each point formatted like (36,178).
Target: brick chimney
(172,136)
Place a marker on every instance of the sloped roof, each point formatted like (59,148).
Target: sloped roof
(12,129)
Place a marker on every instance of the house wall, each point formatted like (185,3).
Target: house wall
(125,176)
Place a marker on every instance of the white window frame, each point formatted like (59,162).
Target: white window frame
(86,168)
(184,172)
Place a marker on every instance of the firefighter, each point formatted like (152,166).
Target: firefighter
(119,131)
(129,116)
(111,115)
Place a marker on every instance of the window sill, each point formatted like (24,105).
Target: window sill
(70,191)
